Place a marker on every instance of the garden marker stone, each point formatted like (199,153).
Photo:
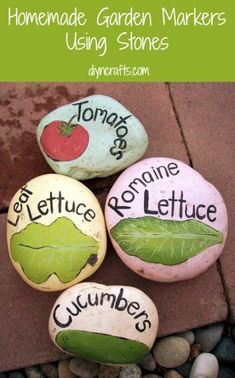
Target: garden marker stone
(107,324)
(92,137)
(56,232)
(166,222)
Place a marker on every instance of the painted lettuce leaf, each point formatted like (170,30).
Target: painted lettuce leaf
(101,347)
(166,242)
(60,248)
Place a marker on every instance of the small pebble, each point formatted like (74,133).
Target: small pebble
(188,336)
(209,336)
(148,363)
(33,372)
(13,374)
(108,371)
(225,372)
(171,351)
(49,370)
(172,374)
(225,350)
(205,365)
(195,350)
(131,371)
(185,369)
(64,370)
(83,368)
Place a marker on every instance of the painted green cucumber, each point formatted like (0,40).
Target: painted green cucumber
(101,347)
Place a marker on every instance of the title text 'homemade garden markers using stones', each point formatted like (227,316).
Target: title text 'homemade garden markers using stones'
(108,324)
(166,222)
(56,232)
(93,137)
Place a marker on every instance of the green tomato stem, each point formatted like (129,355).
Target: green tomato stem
(66,128)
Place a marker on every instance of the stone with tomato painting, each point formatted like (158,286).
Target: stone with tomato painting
(93,137)
(56,232)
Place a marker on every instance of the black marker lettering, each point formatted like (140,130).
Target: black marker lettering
(146,204)
(113,204)
(57,322)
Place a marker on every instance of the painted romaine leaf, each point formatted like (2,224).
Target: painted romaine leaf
(101,347)
(60,248)
(166,242)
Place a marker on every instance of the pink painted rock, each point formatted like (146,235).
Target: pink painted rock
(166,222)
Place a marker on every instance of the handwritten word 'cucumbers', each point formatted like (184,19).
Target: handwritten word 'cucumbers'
(78,323)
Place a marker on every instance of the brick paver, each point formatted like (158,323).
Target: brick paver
(24,311)
(23,105)
(207,115)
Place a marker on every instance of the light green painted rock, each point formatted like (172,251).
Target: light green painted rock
(92,137)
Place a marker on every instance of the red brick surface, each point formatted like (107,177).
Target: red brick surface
(24,338)
(24,311)
(24,316)
(22,106)
(207,116)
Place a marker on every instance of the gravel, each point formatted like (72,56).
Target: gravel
(182,355)
(49,370)
(83,368)
(132,371)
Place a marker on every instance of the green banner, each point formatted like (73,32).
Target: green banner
(110,40)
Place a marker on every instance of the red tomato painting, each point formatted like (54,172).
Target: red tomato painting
(64,141)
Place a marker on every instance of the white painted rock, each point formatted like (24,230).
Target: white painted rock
(56,232)
(206,366)
(107,324)
(166,222)
(93,137)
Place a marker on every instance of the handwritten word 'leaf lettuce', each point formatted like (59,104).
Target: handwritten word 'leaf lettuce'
(60,248)
(166,242)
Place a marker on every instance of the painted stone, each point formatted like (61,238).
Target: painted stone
(166,222)
(107,324)
(56,232)
(93,137)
